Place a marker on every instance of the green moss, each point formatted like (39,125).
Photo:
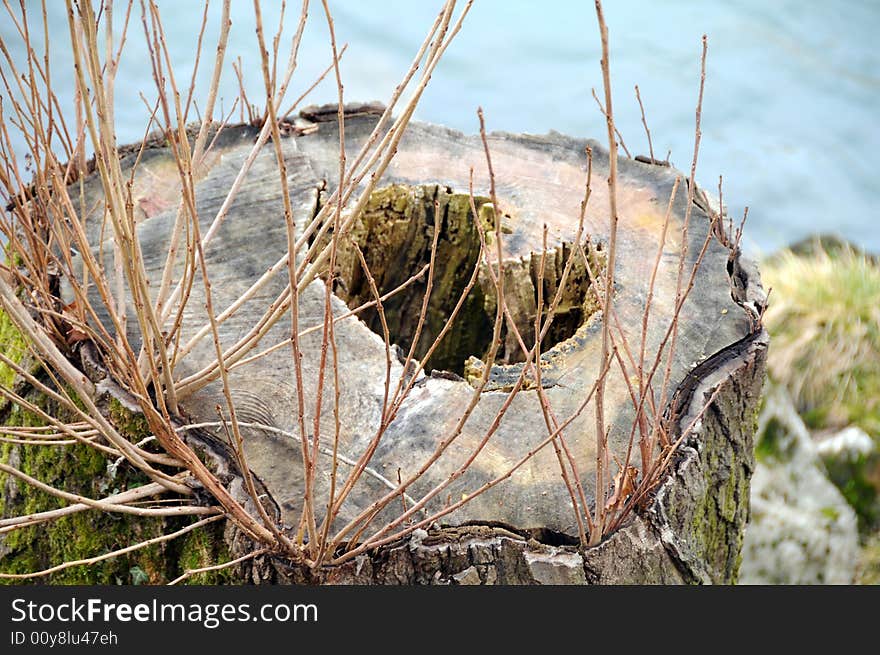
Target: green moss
(131,424)
(719,512)
(13,346)
(204,548)
(84,470)
(769,446)
(857,479)
(831,513)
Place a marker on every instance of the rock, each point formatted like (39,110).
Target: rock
(802,530)
(868,569)
(848,444)
(852,459)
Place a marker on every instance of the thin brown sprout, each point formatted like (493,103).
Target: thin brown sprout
(601,434)
(398,398)
(673,323)
(96,504)
(618,342)
(402,498)
(308,507)
(722,236)
(545,405)
(198,58)
(237,443)
(271,127)
(244,103)
(647,450)
(423,312)
(44,442)
(198,154)
(739,230)
(81,426)
(275,44)
(645,123)
(123,498)
(380,310)
(637,399)
(313,85)
(218,567)
(605,114)
(653,477)
(692,186)
(74,435)
(337,431)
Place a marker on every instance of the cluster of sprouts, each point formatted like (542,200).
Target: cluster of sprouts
(45,223)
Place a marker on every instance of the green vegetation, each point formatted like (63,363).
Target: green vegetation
(772,443)
(824,322)
(84,470)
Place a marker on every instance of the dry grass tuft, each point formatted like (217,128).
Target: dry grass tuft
(825,325)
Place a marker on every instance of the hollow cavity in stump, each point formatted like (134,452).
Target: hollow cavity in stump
(395,232)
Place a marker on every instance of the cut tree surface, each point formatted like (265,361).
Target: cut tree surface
(540,182)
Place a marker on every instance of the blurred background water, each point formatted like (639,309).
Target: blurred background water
(790,109)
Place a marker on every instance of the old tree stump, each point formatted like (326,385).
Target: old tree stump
(522,530)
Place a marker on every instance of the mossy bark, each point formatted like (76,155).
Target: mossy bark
(83,470)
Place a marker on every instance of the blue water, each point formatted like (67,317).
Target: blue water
(790,108)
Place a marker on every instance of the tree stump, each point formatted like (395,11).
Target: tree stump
(523,530)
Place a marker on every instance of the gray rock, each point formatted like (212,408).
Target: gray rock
(848,444)
(802,531)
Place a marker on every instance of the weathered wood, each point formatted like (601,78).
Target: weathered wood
(690,532)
